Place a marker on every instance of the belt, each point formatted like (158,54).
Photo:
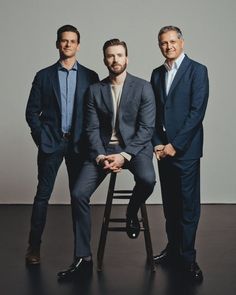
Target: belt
(66,135)
(114,142)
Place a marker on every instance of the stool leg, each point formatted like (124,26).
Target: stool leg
(105,224)
(147,236)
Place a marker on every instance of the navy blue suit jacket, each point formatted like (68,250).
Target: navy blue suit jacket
(181,112)
(136,116)
(43,111)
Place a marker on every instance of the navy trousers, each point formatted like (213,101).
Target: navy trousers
(48,166)
(141,166)
(180,187)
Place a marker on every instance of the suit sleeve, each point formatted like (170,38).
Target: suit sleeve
(156,140)
(199,99)
(145,122)
(92,127)
(33,110)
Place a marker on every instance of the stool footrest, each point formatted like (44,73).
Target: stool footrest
(116,228)
(127,197)
(117,220)
(113,228)
(123,191)
(122,219)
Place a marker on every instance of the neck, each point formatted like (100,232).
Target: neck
(170,62)
(117,80)
(68,62)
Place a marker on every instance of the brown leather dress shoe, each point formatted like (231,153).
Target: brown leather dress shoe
(32,256)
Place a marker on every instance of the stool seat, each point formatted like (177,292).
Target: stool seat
(144,225)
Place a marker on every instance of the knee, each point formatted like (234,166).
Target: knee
(80,198)
(43,194)
(148,182)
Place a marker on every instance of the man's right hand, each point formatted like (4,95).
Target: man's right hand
(159,151)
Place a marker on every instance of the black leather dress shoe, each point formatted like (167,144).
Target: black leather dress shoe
(163,257)
(193,271)
(132,227)
(32,256)
(79,266)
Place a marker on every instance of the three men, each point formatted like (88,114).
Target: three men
(181,89)
(120,120)
(55,116)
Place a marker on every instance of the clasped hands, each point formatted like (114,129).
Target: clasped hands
(164,150)
(112,163)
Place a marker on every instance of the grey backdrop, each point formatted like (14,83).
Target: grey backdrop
(28,32)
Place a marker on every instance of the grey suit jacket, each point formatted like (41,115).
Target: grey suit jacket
(136,116)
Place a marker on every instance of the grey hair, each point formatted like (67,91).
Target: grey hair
(170,28)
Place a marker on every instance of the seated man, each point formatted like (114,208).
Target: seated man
(120,122)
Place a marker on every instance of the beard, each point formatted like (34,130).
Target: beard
(118,71)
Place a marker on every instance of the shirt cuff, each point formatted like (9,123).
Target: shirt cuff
(99,158)
(126,156)
(159,147)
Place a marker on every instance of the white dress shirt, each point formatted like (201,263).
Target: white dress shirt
(172,70)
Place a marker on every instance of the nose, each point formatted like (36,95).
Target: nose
(169,45)
(115,58)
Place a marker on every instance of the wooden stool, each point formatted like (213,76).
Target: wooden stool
(122,194)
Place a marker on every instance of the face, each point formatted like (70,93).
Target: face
(115,59)
(68,45)
(170,45)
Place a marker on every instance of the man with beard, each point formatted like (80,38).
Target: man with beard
(120,121)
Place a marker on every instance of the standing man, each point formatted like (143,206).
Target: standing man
(55,116)
(120,123)
(181,89)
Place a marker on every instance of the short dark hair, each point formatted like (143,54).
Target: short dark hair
(114,42)
(67,28)
(170,28)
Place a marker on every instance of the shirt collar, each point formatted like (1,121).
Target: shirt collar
(61,68)
(176,64)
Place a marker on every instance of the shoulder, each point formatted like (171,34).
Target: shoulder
(137,80)
(47,70)
(195,64)
(158,69)
(86,70)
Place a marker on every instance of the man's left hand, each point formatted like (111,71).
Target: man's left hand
(116,162)
(169,150)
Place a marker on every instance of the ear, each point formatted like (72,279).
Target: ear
(105,62)
(57,44)
(78,47)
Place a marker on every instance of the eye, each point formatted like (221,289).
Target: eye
(163,44)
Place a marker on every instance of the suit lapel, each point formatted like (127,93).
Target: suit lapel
(163,84)
(182,69)
(79,88)
(107,96)
(55,83)
(129,82)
